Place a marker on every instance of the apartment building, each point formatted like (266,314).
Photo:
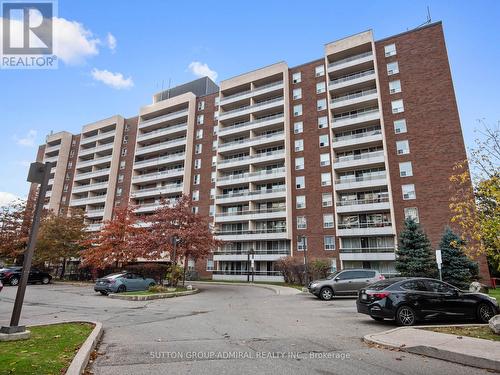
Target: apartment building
(323,160)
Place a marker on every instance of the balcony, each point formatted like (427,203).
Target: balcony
(352,79)
(158,120)
(350,61)
(267,104)
(147,207)
(250,177)
(52,159)
(249,93)
(97,161)
(363,254)
(100,136)
(257,158)
(241,275)
(94,213)
(251,215)
(356,117)
(88,151)
(248,142)
(162,132)
(157,191)
(252,235)
(363,205)
(176,172)
(160,146)
(357,139)
(94,227)
(88,200)
(96,173)
(352,161)
(354,98)
(361,182)
(251,125)
(49,149)
(90,187)
(251,195)
(160,161)
(259,255)
(365,229)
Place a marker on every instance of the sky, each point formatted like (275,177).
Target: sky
(115,54)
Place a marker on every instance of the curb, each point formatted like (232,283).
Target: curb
(275,288)
(431,351)
(152,296)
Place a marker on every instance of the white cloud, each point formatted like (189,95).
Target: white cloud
(201,70)
(28,140)
(114,80)
(111,42)
(6,198)
(73,43)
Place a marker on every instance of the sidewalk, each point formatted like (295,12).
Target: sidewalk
(280,290)
(459,349)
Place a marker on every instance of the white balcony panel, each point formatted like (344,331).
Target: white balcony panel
(252,196)
(48,194)
(88,151)
(357,140)
(253,215)
(158,120)
(253,236)
(367,207)
(93,227)
(157,162)
(244,257)
(90,187)
(160,146)
(257,141)
(97,137)
(350,61)
(86,163)
(148,207)
(252,125)
(158,176)
(356,119)
(160,190)
(49,149)
(335,104)
(94,213)
(360,183)
(371,231)
(258,158)
(350,81)
(162,132)
(252,108)
(87,175)
(367,256)
(244,278)
(360,160)
(277,173)
(250,93)
(52,159)
(89,200)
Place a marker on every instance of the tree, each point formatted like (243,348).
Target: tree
(60,237)
(457,268)
(194,238)
(114,243)
(414,254)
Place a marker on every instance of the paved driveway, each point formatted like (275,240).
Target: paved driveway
(226,329)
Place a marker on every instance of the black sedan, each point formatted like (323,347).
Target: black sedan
(410,300)
(12,276)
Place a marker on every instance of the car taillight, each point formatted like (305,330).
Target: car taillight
(7,274)
(379,295)
(381,277)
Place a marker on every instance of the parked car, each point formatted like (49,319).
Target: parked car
(342,283)
(410,300)
(1,286)
(12,276)
(122,282)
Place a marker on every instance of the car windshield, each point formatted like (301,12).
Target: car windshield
(114,275)
(332,275)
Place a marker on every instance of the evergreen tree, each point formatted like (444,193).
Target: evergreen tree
(457,268)
(414,257)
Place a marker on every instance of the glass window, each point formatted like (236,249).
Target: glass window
(324,160)
(214,145)
(298,127)
(299,163)
(392,68)
(200,119)
(197,163)
(212,193)
(211,210)
(214,160)
(201,105)
(322,122)
(301,222)
(400,126)
(300,182)
(297,110)
(196,195)
(297,77)
(196,179)
(390,50)
(300,201)
(402,147)
(302,243)
(321,104)
(326,179)
(213,176)
(397,106)
(395,87)
(199,133)
(414,285)
(439,287)
(405,169)
(327,200)
(299,145)
(329,242)
(319,71)
(197,149)
(328,221)
(297,94)
(323,140)
(408,191)
(320,87)
(210,264)
(412,212)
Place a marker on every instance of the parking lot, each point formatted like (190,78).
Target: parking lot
(225,329)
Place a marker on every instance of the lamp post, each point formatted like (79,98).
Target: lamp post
(252,252)
(39,173)
(173,260)
(300,239)
(248,266)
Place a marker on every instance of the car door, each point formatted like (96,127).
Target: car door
(453,303)
(419,297)
(363,279)
(344,283)
(34,276)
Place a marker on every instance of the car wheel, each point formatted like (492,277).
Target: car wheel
(14,281)
(103,293)
(405,316)
(326,294)
(122,288)
(376,318)
(151,285)
(45,280)
(485,312)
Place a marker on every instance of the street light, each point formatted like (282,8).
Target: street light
(300,239)
(252,252)
(39,173)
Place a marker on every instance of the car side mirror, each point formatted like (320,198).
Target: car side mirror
(337,278)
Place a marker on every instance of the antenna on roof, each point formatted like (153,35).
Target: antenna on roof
(427,21)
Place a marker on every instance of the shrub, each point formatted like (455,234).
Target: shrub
(292,269)
(174,274)
(158,289)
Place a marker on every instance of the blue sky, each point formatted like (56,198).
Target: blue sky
(150,42)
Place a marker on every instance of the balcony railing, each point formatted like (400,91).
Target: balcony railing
(364,225)
(80,175)
(257,251)
(368,250)
(96,149)
(171,187)
(353,96)
(360,178)
(253,174)
(158,174)
(90,186)
(247,231)
(352,76)
(248,123)
(161,144)
(252,106)
(163,130)
(363,201)
(357,135)
(256,89)
(367,155)
(104,159)
(161,159)
(162,117)
(247,193)
(250,212)
(244,272)
(107,134)
(246,140)
(358,113)
(350,58)
(253,157)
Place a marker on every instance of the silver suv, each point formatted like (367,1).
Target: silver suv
(344,283)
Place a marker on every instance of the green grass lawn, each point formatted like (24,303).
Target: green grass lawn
(50,349)
(296,286)
(473,331)
(148,293)
(495,293)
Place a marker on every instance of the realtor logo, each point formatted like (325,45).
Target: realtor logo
(27,35)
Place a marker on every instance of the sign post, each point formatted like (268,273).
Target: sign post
(439,262)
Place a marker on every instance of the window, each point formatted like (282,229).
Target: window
(326,179)
(327,200)
(66,187)
(119,191)
(201,105)
(408,191)
(196,195)
(323,140)
(200,119)
(72,153)
(197,163)
(297,77)
(125,139)
(122,164)
(211,210)
(324,160)
(395,87)
(197,149)
(213,176)
(402,147)
(299,145)
(214,145)
(70,164)
(392,68)
(302,243)
(216,100)
(298,127)
(321,104)
(439,287)
(73,142)
(329,242)
(199,133)
(328,221)
(214,160)
(216,115)
(405,169)
(301,222)
(414,285)
(322,122)
(210,264)
(124,152)
(300,201)
(195,209)
(196,179)
(212,193)
(299,163)
(300,182)
(297,94)
(120,178)
(319,71)
(297,110)
(411,212)
(320,87)
(400,126)
(397,106)
(216,129)
(390,50)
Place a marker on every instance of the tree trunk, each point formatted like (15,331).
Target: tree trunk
(63,269)
(185,268)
